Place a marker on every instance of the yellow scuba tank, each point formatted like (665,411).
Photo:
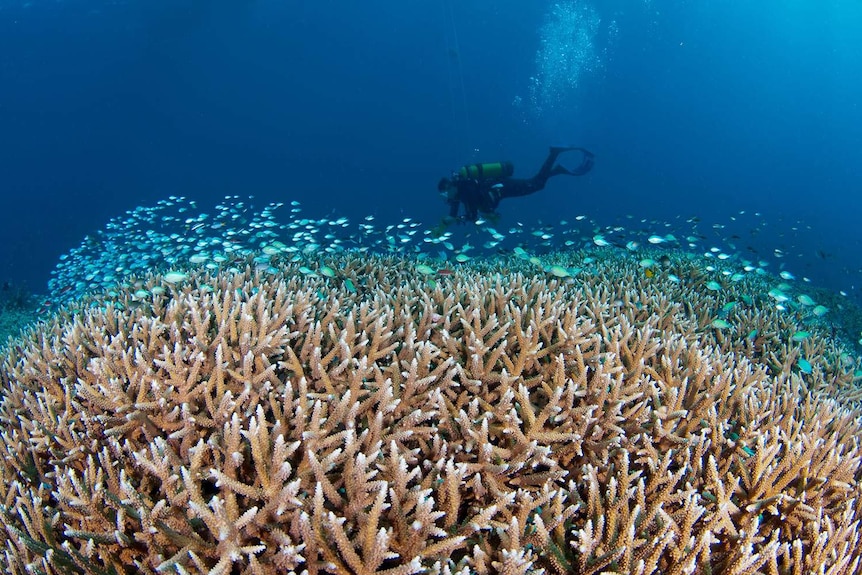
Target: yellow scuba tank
(492,171)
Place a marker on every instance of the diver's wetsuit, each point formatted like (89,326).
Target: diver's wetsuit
(481,195)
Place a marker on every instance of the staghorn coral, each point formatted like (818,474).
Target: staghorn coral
(496,422)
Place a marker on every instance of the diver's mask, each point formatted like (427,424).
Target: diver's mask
(448,187)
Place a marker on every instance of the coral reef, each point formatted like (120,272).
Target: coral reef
(494,421)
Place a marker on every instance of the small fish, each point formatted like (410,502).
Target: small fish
(175,277)
(425,270)
(445,272)
(804,365)
(805,300)
(800,336)
(327,271)
(719,323)
(778,295)
(559,271)
(600,241)
(713,285)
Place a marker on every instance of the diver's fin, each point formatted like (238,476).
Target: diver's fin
(584,168)
(586,163)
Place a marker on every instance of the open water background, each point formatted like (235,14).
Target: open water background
(693,108)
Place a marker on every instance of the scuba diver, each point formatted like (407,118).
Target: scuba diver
(480,187)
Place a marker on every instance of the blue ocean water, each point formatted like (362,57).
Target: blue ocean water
(694,110)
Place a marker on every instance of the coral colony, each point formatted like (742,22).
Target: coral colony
(264,410)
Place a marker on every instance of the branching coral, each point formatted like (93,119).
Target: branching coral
(492,423)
